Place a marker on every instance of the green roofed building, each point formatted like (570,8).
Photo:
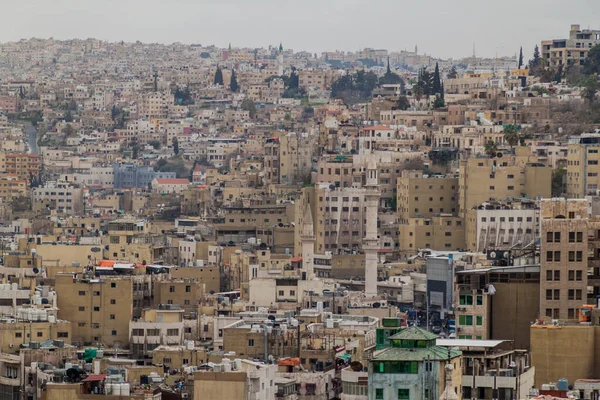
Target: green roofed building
(413,368)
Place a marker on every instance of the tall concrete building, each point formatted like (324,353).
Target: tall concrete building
(564,257)
(370,242)
(308,245)
(583,165)
(571,51)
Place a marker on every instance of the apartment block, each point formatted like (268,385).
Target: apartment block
(583,167)
(99,309)
(564,258)
(570,51)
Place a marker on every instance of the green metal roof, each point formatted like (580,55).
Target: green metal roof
(414,333)
(434,353)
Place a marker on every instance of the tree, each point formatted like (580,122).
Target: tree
(248,105)
(233,86)
(491,148)
(68,116)
(402,103)
(218,77)
(155,144)
(69,131)
(175,146)
(511,135)
(20,204)
(591,64)
(436,84)
(590,87)
(521,57)
(452,74)
(558,180)
(535,64)
(294,81)
(438,102)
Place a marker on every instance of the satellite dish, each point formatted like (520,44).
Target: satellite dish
(356,366)
(331,187)
(506,254)
(95,249)
(271,318)
(493,254)
(376,304)
(499,155)
(36,270)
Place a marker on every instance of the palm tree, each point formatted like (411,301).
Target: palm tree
(491,148)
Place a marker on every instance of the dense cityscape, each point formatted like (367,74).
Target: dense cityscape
(183,221)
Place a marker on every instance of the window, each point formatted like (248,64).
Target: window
(96,293)
(571,275)
(571,237)
(113,284)
(96,308)
(250,342)
(281,293)
(577,275)
(173,332)
(571,294)
(556,275)
(549,256)
(578,294)
(549,275)
(18,334)
(113,333)
(465,320)
(188,288)
(571,256)
(379,394)
(166,360)
(81,308)
(579,256)
(113,301)
(465,300)
(479,320)
(171,289)
(579,237)
(479,300)
(62,334)
(548,294)
(571,313)
(112,316)
(81,293)
(403,394)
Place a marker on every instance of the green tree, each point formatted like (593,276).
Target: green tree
(521,57)
(591,64)
(453,74)
(535,64)
(511,135)
(402,103)
(558,181)
(436,84)
(234,83)
(590,87)
(218,77)
(175,146)
(491,148)
(248,105)
(438,102)
(69,131)
(68,116)
(294,81)
(155,144)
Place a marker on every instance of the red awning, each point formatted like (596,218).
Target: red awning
(95,378)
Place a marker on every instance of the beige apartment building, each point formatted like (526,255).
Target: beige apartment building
(20,164)
(183,292)
(441,232)
(99,309)
(288,159)
(564,258)
(338,217)
(583,166)
(511,176)
(570,51)
(426,196)
(14,335)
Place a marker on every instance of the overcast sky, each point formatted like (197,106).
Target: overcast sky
(443,28)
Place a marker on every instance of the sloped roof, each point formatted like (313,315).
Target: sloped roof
(414,333)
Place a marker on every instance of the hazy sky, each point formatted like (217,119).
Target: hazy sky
(444,28)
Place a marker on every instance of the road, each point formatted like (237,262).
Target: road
(31,138)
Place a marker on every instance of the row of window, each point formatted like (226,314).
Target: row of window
(467,300)
(402,394)
(41,334)
(554,237)
(503,219)
(574,256)
(573,294)
(467,320)
(554,275)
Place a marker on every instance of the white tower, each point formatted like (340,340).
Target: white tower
(308,244)
(370,242)
(448,393)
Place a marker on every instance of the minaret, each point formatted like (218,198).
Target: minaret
(370,242)
(280,60)
(449,393)
(308,244)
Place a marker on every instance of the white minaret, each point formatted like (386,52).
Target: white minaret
(308,244)
(448,393)
(370,242)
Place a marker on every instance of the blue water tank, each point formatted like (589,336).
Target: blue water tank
(563,384)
